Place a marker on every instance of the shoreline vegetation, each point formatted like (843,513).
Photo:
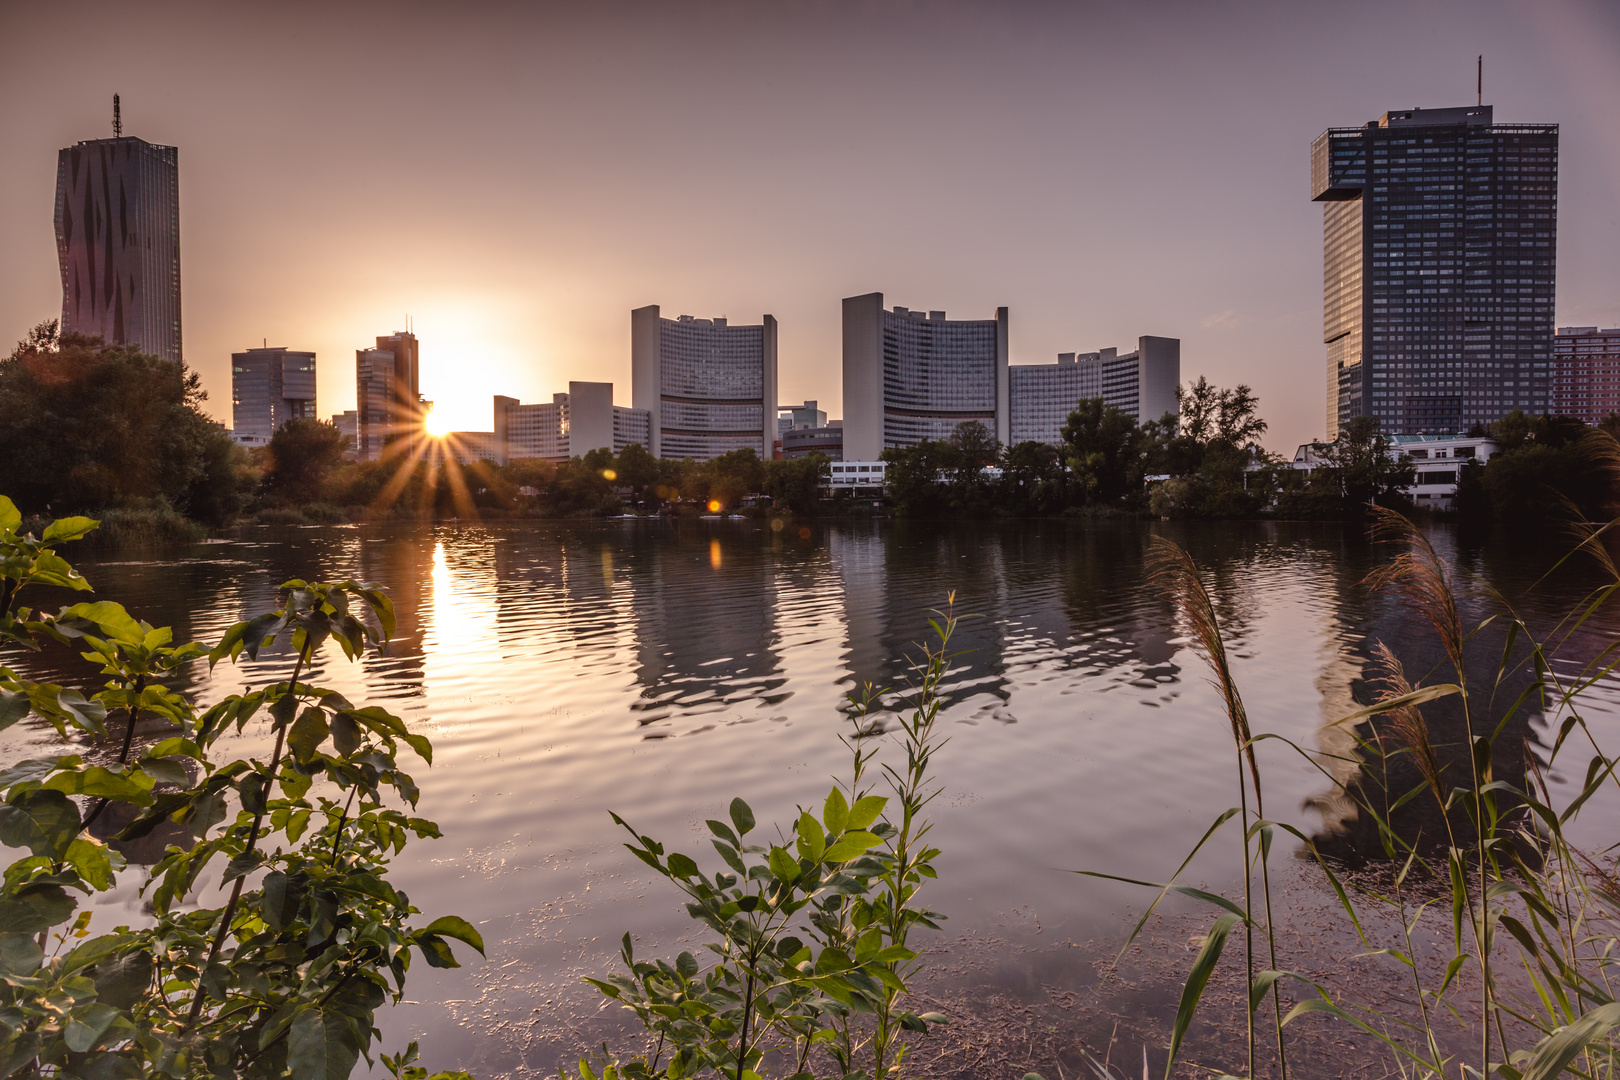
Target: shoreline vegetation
(108,431)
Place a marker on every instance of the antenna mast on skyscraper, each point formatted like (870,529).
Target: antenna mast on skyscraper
(1479,85)
(118,121)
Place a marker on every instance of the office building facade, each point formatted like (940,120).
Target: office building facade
(118,243)
(1141,384)
(707,387)
(1586,373)
(913,375)
(1440,257)
(388,398)
(569,425)
(269,387)
(808,415)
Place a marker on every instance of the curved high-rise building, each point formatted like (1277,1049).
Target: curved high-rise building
(708,387)
(118,242)
(914,375)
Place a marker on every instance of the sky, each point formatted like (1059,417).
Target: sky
(515,178)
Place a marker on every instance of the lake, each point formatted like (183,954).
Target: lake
(657,669)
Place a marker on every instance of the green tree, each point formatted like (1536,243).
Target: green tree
(1033,479)
(1547,468)
(86,424)
(1367,473)
(913,476)
(638,470)
(301,454)
(794,484)
(974,449)
(1104,449)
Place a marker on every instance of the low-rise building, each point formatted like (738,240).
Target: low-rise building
(803,441)
(1437,460)
(470,447)
(857,477)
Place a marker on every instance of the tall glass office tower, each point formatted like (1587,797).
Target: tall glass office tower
(118,242)
(1440,243)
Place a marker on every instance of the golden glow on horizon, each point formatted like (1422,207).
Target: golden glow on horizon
(437,424)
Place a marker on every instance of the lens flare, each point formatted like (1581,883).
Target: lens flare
(436,425)
(714,506)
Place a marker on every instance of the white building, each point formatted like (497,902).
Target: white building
(857,476)
(1437,460)
(914,375)
(570,425)
(269,387)
(1141,384)
(707,387)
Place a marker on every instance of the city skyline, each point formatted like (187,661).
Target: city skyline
(1000,159)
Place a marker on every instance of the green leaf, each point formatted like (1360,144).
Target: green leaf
(93,861)
(1557,1050)
(14,705)
(85,1026)
(1198,978)
(322,1044)
(742,817)
(682,867)
(865,811)
(453,926)
(20,954)
(38,908)
(784,866)
(60,530)
(850,845)
(123,980)
(307,734)
(103,783)
(10,516)
(835,812)
(111,619)
(811,841)
(44,822)
(346,734)
(435,951)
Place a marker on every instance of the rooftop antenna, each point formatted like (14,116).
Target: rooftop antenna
(1479,85)
(118,121)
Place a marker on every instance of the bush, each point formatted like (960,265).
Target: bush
(286,978)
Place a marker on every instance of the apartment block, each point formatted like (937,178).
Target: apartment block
(1586,373)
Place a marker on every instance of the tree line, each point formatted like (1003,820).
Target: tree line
(92,426)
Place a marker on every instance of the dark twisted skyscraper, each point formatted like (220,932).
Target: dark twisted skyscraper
(118,242)
(1441,245)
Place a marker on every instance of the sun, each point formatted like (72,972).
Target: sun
(437,425)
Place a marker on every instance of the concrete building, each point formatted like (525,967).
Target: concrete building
(858,477)
(1440,242)
(348,425)
(118,241)
(808,415)
(913,375)
(1141,384)
(269,387)
(471,447)
(388,396)
(570,425)
(802,441)
(707,387)
(1586,373)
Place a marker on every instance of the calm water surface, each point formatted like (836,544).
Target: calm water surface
(658,669)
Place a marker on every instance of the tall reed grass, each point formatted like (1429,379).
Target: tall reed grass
(1533,932)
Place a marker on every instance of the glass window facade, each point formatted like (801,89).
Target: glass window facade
(1440,260)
